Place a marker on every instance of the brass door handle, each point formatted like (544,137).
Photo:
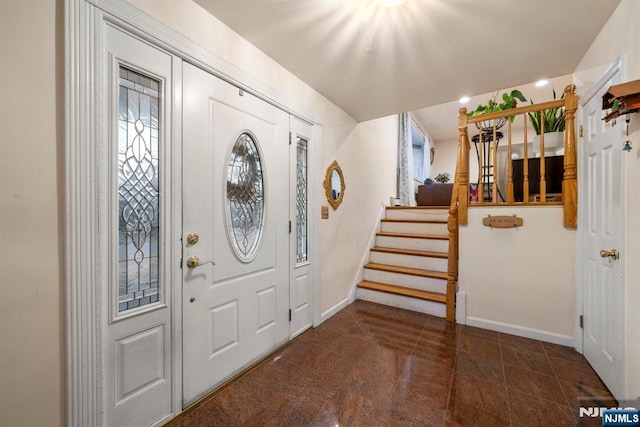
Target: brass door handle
(194,261)
(612,254)
(192,238)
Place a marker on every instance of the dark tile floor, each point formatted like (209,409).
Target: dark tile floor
(372,365)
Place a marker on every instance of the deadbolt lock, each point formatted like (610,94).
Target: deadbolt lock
(192,238)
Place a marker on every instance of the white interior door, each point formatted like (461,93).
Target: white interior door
(602,283)
(236,200)
(301,182)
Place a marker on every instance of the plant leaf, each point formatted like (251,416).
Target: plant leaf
(518,95)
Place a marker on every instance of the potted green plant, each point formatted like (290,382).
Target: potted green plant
(554,125)
(509,100)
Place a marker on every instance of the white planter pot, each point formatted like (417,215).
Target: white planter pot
(553,143)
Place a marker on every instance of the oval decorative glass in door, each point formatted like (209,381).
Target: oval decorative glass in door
(245,197)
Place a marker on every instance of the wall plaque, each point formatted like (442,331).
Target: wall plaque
(502,221)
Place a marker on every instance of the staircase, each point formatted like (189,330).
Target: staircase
(408,264)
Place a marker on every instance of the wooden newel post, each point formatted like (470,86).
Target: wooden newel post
(463,186)
(452,267)
(570,181)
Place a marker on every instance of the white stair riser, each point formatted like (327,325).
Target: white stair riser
(418,214)
(401,260)
(407,303)
(414,228)
(406,280)
(430,245)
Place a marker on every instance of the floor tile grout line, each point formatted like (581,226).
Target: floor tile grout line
(415,345)
(564,393)
(553,375)
(354,325)
(504,374)
(568,405)
(453,372)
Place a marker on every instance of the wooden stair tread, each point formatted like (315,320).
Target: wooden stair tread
(413,236)
(407,270)
(404,291)
(410,252)
(416,221)
(417,208)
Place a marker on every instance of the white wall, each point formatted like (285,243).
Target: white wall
(620,37)
(364,157)
(31,118)
(521,279)
(444,157)
(366,152)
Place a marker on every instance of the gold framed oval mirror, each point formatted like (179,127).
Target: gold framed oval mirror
(334,185)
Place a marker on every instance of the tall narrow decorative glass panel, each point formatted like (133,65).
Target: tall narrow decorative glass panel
(301,201)
(138,192)
(245,197)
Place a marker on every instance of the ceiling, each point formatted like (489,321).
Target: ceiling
(373,61)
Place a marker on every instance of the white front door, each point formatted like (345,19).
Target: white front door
(602,281)
(302,182)
(236,201)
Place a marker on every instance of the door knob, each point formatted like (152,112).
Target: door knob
(194,261)
(612,254)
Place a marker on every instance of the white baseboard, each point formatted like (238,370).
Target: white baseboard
(522,331)
(333,310)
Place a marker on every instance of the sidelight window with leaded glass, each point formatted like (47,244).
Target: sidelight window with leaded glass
(302,240)
(138,190)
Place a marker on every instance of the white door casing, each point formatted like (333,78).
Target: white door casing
(137,298)
(602,285)
(235,307)
(302,182)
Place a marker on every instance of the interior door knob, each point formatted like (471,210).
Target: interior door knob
(612,254)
